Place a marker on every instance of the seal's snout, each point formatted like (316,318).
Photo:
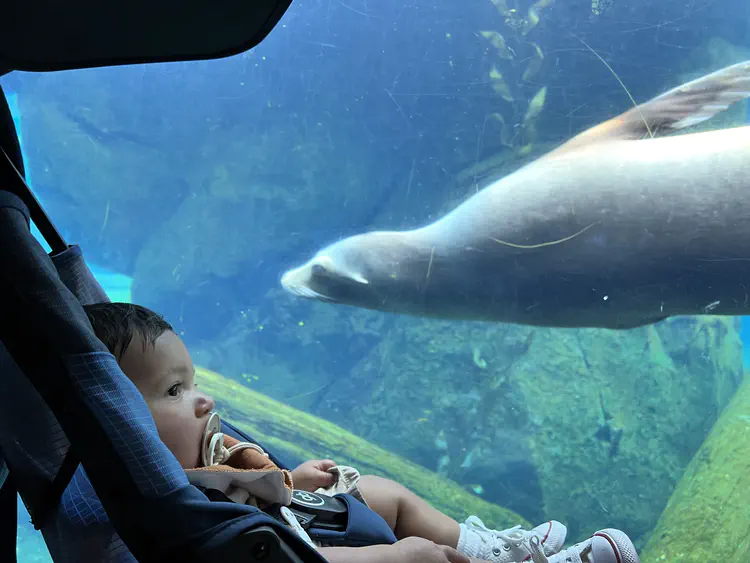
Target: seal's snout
(299,282)
(295,280)
(313,280)
(286,279)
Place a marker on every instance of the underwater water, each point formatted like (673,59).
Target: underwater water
(192,187)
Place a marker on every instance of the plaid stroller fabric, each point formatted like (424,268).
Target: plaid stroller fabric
(129,499)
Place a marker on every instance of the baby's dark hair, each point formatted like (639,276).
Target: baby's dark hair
(115,324)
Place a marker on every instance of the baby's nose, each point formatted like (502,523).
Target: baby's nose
(204,404)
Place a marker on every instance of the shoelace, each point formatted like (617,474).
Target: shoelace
(536,550)
(515,537)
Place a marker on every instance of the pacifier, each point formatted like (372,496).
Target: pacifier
(213,440)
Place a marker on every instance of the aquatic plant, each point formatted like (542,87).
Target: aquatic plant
(599,7)
(514,54)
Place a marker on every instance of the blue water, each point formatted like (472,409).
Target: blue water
(745,333)
(117,286)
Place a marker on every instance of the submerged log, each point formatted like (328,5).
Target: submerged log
(708,516)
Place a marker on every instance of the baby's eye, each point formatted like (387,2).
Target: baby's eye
(175,390)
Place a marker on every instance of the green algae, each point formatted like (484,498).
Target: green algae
(553,423)
(708,516)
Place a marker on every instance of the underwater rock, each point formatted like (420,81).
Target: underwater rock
(90,169)
(227,243)
(591,427)
(296,436)
(707,516)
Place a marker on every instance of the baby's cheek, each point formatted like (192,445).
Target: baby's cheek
(185,450)
(179,430)
(170,433)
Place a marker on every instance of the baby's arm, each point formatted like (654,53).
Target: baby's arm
(370,554)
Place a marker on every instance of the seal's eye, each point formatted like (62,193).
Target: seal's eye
(318,270)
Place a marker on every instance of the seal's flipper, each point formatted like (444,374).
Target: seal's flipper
(688,104)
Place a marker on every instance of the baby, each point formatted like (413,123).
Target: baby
(155,359)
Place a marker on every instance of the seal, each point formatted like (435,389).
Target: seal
(622,226)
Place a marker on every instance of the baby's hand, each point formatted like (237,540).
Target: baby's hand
(419,550)
(313,474)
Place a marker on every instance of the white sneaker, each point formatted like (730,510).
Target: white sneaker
(511,545)
(605,546)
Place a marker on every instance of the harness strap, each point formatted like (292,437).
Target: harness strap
(51,497)
(17,185)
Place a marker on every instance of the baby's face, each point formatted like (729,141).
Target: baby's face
(164,374)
